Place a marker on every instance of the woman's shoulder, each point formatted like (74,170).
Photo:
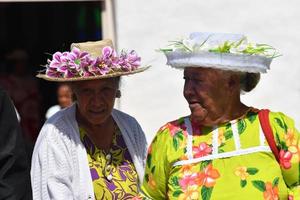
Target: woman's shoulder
(173,128)
(280,120)
(59,126)
(125,117)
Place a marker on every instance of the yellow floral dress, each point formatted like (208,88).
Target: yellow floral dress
(113,173)
(230,161)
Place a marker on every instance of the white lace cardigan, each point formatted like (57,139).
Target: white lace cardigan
(60,167)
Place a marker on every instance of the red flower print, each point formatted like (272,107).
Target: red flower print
(285,159)
(208,176)
(136,198)
(202,150)
(188,180)
(151,182)
(176,126)
(291,197)
(186,168)
(150,149)
(271,193)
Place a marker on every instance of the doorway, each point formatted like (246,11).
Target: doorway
(29,34)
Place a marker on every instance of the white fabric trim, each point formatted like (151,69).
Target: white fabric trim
(189,146)
(225,155)
(236,136)
(215,139)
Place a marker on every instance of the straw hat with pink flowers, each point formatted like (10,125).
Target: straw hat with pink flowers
(90,61)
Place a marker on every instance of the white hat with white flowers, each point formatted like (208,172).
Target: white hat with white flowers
(219,50)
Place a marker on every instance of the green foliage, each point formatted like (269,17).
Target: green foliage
(206,192)
(228,134)
(275,181)
(177,193)
(204,164)
(281,124)
(260,185)
(153,169)
(149,158)
(224,48)
(175,143)
(174,181)
(239,47)
(179,134)
(241,126)
(252,170)
(243,183)
(147,177)
(252,116)
(221,151)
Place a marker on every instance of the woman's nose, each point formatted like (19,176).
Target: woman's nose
(96,100)
(188,89)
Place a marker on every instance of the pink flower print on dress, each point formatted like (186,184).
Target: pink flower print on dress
(202,150)
(285,159)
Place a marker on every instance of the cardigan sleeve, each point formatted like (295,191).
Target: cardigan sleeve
(14,166)
(142,143)
(51,172)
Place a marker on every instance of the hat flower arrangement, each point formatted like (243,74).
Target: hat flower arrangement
(219,50)
(81,64)
(78,64)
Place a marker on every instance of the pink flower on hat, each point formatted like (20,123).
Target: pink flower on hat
(129,61)
(80,63)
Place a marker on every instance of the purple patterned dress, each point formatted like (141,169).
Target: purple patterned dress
(113,172)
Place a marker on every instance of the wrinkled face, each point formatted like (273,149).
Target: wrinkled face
(207,93)
(64,96)
(95,99)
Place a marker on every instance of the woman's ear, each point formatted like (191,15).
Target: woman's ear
(118,94)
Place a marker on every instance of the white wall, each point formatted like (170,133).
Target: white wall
(155,97)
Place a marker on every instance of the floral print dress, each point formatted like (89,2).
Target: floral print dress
(113,173)
(230,161)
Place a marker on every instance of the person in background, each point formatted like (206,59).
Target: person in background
(90,150)
(14,165)
(224,149)
(64,98)
(23,89)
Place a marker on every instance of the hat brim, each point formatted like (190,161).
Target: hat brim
(111,75)
(226,61)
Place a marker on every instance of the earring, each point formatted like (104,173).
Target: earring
(118,94)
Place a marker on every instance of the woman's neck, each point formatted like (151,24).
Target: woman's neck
(100,134)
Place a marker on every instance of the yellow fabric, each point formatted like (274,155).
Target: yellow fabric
(121,168)
(251,176)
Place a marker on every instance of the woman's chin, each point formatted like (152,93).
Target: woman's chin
(198,113)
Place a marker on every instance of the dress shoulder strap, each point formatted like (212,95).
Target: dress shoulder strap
(267,129)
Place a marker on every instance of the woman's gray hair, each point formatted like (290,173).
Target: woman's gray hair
(248,81)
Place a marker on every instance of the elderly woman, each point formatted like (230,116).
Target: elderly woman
(89,150)
(224,149)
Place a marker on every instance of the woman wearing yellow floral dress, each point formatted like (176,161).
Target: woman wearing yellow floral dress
(220,151)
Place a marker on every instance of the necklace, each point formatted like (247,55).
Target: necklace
(107,170)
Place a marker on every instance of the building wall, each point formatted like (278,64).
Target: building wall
(155,97)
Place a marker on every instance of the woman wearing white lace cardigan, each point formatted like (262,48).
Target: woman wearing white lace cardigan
(90,150)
